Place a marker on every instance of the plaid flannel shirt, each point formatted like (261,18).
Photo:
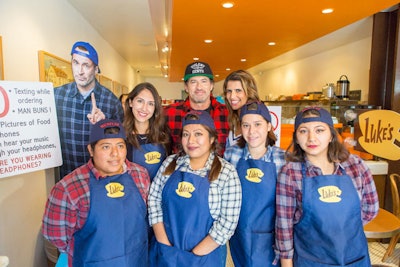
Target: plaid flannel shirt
(177,111)
(74,126)
(68,205)
(289,197)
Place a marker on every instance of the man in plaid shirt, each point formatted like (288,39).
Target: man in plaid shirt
(77,109)
(98,212)
(199,84)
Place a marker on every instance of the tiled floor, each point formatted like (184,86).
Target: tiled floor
(376,252)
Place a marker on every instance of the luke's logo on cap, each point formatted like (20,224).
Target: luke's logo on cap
(198,68)
(109,124)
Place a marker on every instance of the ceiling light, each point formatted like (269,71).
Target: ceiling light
(243,60)
(228,69)
(165,48)
(208,41)
(196,58)
(327,10)
(227,5)
(165,67)
(271,43)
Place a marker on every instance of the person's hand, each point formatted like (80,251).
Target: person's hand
(97,114)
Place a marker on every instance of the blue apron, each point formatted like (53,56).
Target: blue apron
(330,232)
(187,221)
(149,156)
(252,243)
(115,232)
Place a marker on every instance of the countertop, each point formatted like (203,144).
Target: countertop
(378,167)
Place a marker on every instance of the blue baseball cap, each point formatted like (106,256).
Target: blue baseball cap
(90,52)
(198,117)
(97,132)
(255,108)
(324,116)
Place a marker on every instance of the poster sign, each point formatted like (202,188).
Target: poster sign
(29,139)
(276,117)
(380,133)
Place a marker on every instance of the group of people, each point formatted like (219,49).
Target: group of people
(146,185)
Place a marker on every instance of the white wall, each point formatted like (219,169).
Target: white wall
(28,26)
(312,73)
(54,26)
(168,90)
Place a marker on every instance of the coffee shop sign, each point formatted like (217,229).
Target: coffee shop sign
(380,133)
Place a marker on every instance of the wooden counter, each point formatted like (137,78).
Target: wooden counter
(379,169)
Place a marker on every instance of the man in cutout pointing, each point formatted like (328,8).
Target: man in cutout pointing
(80,104)
(77,112)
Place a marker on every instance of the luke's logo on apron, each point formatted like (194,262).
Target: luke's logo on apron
(152,157)
(185,189)
(115,190)
(254,175)
(329,194)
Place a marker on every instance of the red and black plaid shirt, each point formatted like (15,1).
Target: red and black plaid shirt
(177,111)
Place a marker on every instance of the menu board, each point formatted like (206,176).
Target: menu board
(29,138)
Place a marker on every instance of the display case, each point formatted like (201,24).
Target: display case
(290,108)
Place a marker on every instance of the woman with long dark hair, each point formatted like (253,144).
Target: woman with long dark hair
(324,197)
(146,131)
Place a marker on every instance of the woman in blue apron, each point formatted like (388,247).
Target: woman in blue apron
(194,201)
(324,197)
(258,162)
(147,134)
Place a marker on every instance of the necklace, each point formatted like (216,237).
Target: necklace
(142,136)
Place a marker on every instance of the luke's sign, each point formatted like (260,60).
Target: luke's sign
(380,133)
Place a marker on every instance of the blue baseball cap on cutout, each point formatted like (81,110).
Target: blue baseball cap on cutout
(90,53)
(97,132)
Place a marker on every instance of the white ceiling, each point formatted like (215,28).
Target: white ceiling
(127,27)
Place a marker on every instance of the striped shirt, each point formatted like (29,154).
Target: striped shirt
(225,196)
(74,126)
(289,197)
(69,203)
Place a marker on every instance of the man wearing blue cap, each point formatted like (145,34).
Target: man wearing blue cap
(80,104)
(97,213)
